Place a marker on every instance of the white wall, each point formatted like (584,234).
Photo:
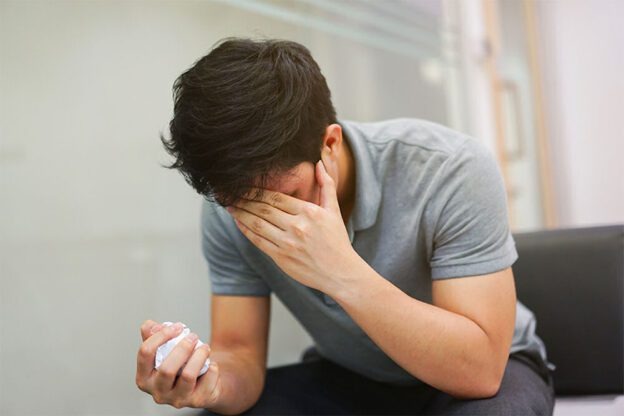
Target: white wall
(583,61)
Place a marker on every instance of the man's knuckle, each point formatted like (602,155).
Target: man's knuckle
(257,240)
(292,246)
(300,230)
(311,210)
(276,198)
(178,404)
(158,398)
(145,351)
(167,373)
(289,245)
(187,377)
(256,225)
(140,384)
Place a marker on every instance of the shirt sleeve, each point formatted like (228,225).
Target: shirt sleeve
(229,273)
(471,234)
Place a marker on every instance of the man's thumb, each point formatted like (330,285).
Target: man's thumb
(329,198)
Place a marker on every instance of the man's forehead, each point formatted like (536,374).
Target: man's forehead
(284,182)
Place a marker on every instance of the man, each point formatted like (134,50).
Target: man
(388,241)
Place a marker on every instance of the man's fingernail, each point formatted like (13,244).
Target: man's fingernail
(156,328)
(176,327)
(192,337)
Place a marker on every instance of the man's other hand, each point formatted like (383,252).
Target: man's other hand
(165,386)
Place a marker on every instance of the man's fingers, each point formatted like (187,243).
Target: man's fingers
(147,352)
(257,225)
(281,201)
(185,383)
(168,370)
(146,328)
(267,212)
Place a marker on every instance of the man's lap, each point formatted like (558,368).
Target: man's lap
(322,387)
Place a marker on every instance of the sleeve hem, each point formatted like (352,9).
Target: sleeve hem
(240,290)
(474,269)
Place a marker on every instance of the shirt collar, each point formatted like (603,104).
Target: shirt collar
(367,187)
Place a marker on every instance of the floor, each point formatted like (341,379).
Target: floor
(584,406)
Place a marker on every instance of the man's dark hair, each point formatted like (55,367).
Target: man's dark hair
(245,113)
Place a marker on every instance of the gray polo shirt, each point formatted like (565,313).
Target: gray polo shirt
(430,204)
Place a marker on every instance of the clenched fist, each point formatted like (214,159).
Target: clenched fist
(187,390)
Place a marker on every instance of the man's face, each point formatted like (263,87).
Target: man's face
(300,182)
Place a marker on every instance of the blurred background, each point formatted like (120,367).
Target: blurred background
(96,237)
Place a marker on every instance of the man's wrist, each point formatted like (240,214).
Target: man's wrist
(241,382)
(353,278)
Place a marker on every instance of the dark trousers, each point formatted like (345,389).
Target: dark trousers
(321,387)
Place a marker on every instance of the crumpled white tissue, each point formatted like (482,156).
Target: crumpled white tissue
(166,348)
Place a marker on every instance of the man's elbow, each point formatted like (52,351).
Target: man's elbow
(476,393)
(484,384)
(479,388)
(489,390)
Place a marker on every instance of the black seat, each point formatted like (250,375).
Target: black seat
(573,280)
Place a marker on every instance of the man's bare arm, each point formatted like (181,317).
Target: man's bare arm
(459,345)
(239,339)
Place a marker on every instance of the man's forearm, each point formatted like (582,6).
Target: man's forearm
(445,350)
(242,381)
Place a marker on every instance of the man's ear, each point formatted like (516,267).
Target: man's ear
(332,146)
(332,142)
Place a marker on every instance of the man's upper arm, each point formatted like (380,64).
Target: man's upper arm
(488,300)
(241,323)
